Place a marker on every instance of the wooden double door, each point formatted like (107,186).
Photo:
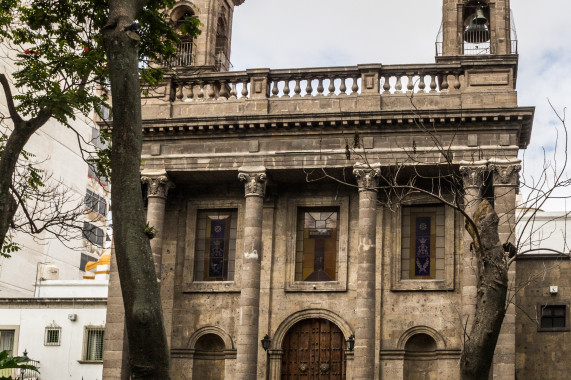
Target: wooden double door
(314,349)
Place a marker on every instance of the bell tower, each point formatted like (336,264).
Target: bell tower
(476,27)
(210,51)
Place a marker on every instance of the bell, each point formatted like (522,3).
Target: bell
(477,31)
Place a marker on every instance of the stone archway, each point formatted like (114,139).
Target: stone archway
(420,359)
(278,338)
(314,349)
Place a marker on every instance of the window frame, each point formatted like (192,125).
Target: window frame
(91,231)
(47,334)
(541,307)
(96,203)
(190,285)
(450,248)
(16,330)
(84,354)
(294,205)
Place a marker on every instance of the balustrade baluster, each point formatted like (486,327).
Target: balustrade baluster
(189,92)
(201,92)
(245,90)
(343,87)
(275,89)
(457,81)
(320,88)
(355,86)
(421,84)
(308,88)
(444,84)
(387,85)
(211,92)
(286,88)
(398,85)
(179,94)
(410,84)
(432,83)
(297,89)
(223,90)
(331,87)
(233,93)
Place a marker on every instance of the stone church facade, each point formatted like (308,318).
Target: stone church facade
(278,255)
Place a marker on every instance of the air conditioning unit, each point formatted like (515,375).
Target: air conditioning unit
(49,272)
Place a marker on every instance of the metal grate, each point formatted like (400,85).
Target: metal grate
(184,55)
(52,336)
(93,343)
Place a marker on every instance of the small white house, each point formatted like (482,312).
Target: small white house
(62,328)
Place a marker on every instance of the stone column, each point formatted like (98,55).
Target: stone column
(473,178)
(506,183)
(158,185)
(364,365)
(247,341)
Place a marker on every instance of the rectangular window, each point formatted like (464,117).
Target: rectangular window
(422,242)
(214,259)
(52,336)
(7,340)
(316,244)
(93,343)
(94,234)
(96,202)
(553,317)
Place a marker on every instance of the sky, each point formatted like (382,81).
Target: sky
(321,33)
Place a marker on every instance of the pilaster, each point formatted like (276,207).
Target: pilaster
(367,179)
(254,179)
(506,182)
(158,185)
(473,175)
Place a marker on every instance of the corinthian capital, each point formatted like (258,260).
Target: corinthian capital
(254,179)
(473,175)
(505,174)
(158,183)
(367,176)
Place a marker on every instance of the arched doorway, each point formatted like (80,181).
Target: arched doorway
(314,349)
(209,358)
(420,361)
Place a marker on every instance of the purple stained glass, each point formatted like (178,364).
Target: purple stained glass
(217,235)
(422,246)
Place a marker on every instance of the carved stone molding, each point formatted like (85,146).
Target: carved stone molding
(473,176)
(505,175)
(254,181)
(157,185)
(367,176)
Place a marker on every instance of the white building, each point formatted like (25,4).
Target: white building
(56,149)
(62,328)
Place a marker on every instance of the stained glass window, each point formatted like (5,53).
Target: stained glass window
(316,244)
(423,242)
(215,245)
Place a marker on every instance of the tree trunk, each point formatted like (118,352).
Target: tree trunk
(9,158)
(479,347)
(148,351)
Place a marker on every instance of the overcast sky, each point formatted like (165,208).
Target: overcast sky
(314,33)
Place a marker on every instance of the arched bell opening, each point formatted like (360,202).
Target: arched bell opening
(186,48)
(476,34)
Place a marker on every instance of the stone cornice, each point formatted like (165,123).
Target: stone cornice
(30,303)
(520,118)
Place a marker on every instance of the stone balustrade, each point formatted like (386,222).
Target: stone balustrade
(317,82)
